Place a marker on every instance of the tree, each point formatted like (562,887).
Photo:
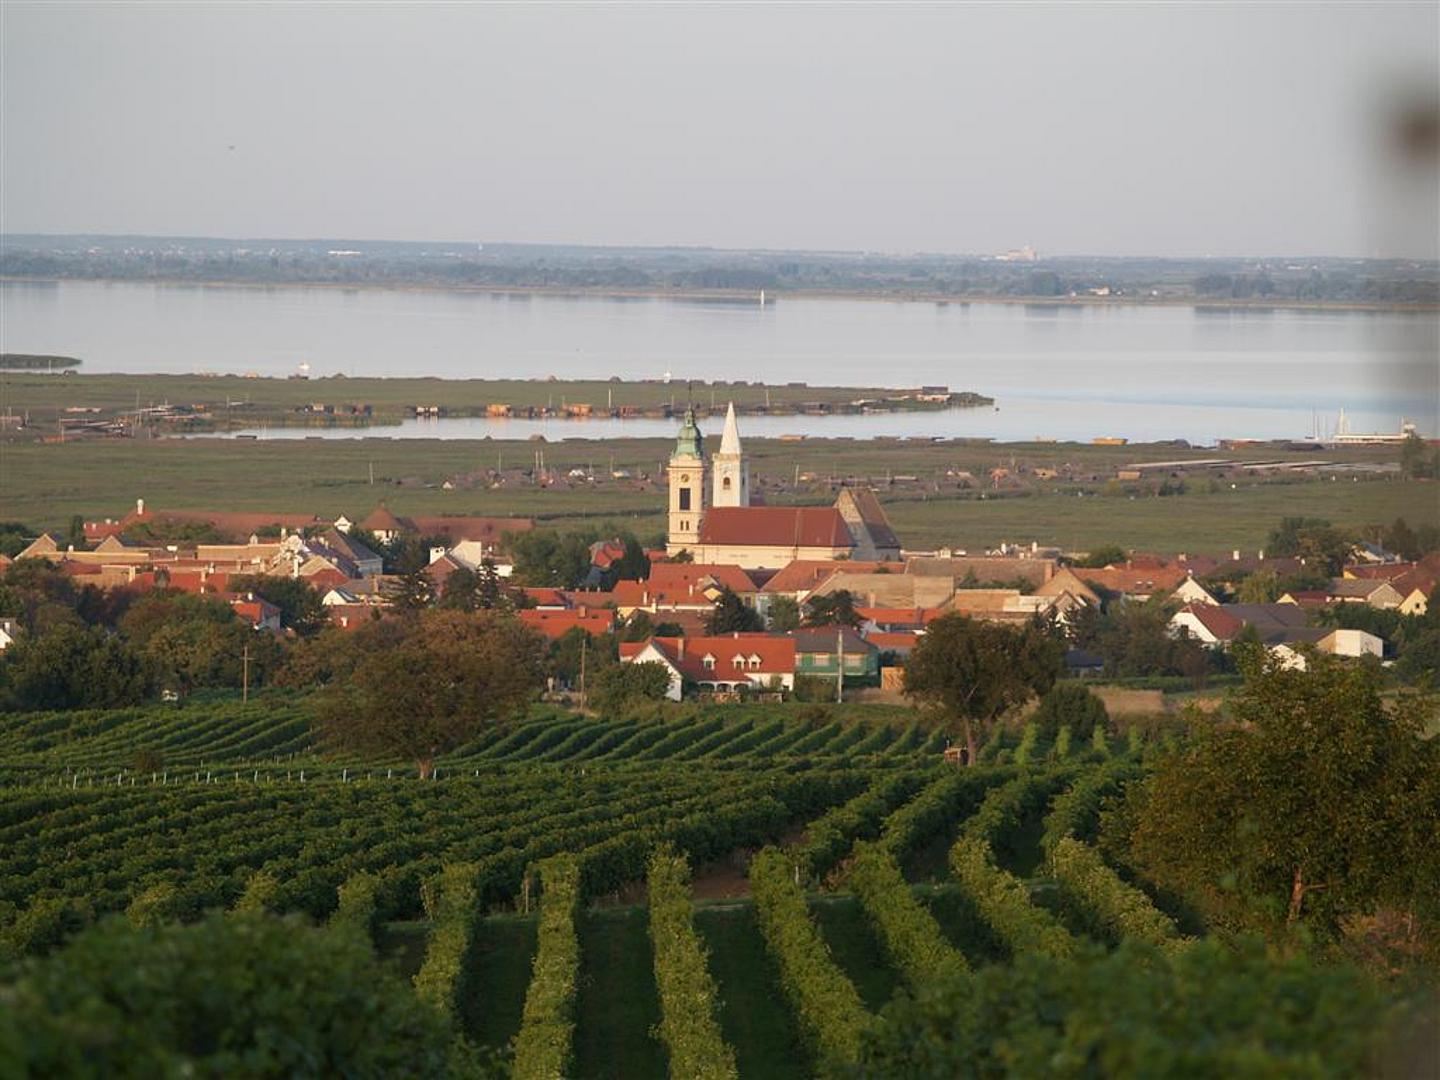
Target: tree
(1416,460)
(1317,802)
(975,671)
(251,995)
(784,614)
(620,685)
(1106,555)
(732,614)
(302,608)
(832,609)
(1315,540)
(74,667)
(190,642)
(633,565)
(448,676)
(577,652)
(546,557)
(1211,1010)
(1071,705)
(75,533)
(14,538)
(1261,587)
(413,591)
(639,627)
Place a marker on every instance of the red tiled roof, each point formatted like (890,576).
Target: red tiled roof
(546,597)
(1380,572)
(381,520)
(776,526)
(776,655)
(556,624)
(673,585)
(802,575)
(894,641)
(1143,580)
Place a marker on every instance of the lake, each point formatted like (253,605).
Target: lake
(1058,371)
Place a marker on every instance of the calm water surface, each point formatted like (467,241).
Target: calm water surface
(1058,371)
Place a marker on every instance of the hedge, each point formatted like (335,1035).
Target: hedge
(910,933)
(688,997)
(547,1026)
(1123,909)
(1005,902)
(456,910)
(826,1002)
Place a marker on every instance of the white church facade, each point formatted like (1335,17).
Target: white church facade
(712,515)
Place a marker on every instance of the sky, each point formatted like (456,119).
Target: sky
(1106,129)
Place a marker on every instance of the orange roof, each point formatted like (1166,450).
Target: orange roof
(1133,580)
(693,585)
(556,624)
(776,526)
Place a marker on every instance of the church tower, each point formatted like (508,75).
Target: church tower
(687,487)
(731,471)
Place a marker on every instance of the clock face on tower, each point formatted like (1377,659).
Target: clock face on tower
(684,478)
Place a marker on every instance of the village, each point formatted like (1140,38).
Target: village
(744,598)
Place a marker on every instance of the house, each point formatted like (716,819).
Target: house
(682,587)
(1351,643)
(339,542)
(719,663)
(897,642)
(1192,592)
(1209,624)
(825,651)
(1134,581)
(1375,593)
(258,612)
(556,624)
(9,631)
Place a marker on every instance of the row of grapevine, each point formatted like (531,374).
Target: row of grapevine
(1076,811)
(1005,903)
(826,1002)
(544,1045)
(688,999)
(829,837)
(1122,909)
(942,802)
(911,935)
(357,910)
(455,913)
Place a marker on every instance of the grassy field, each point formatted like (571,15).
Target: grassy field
(43,485)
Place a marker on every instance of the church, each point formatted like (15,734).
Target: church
(711,515)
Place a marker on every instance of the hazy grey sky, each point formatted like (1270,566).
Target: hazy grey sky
(1109,129)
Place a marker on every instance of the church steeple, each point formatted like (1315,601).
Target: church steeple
(686,470)
(731,471)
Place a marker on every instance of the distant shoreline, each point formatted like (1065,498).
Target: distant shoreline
(751,296)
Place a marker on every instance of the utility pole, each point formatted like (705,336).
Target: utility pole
(245,676)
(584,642)
(840,667)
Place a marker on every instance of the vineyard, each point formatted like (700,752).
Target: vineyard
(588,897)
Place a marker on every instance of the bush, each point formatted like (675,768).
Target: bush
(1210,1011)
(826,1002)
(1070,705)
(619,687)
(241,996)
(688,998)
(547,1026)
(1005,903)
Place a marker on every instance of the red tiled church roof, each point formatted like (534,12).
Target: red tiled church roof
(776,526)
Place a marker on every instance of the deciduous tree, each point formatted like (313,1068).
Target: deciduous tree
(975,671)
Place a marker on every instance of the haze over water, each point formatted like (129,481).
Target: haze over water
(1058,371)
